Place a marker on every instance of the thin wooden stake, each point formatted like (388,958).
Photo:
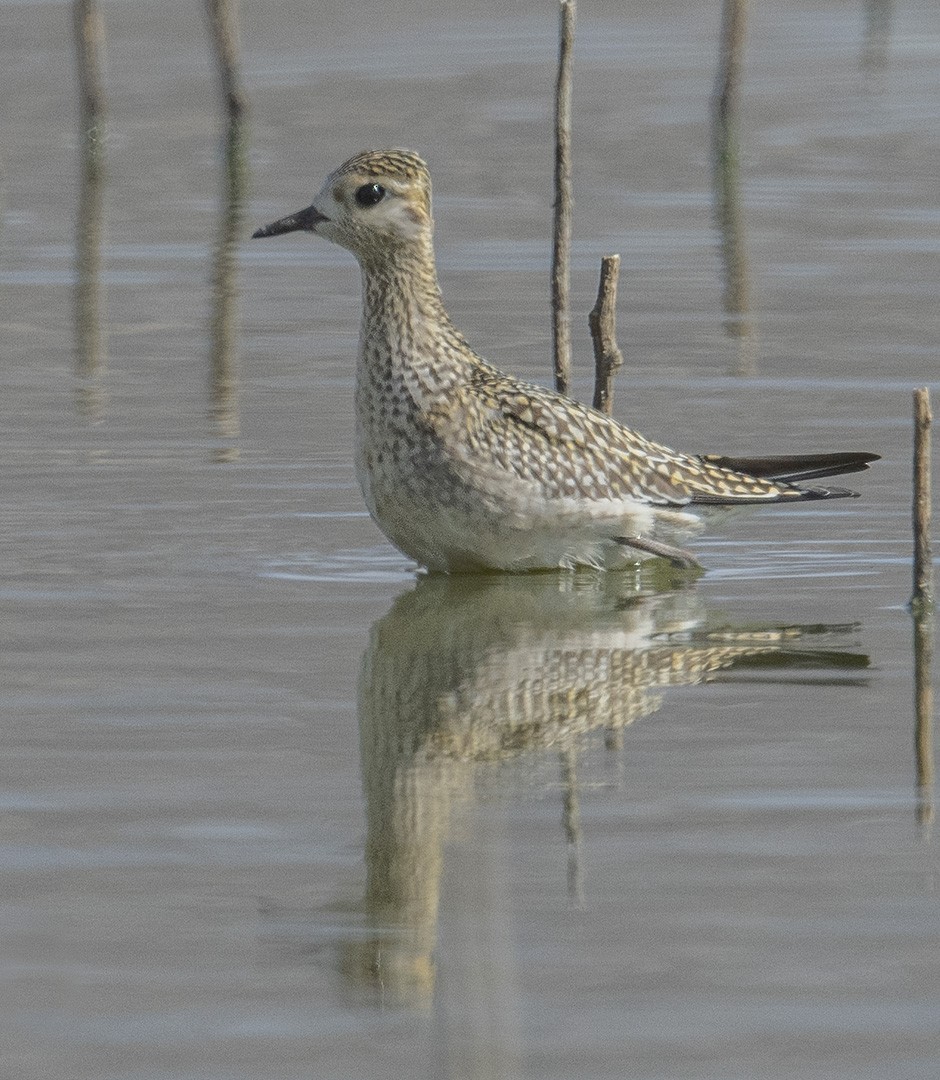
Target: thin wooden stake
(603,323)
(921,606)
(922,598)
(561,248)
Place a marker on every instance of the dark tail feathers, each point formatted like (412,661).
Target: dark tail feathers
(793,468)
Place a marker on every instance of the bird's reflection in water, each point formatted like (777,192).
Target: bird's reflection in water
(465,673)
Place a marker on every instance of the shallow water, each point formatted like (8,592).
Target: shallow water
(271,804)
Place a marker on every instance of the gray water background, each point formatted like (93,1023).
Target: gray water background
(270,806)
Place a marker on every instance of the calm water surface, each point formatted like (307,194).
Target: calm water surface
(273,805)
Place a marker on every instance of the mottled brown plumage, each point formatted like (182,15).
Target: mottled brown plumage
(465,468)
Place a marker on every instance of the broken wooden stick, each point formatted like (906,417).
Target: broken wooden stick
(603,323)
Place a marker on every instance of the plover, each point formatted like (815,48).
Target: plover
(464,468)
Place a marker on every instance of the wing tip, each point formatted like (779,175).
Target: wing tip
(794,468)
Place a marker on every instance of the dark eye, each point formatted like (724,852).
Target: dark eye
(370,194)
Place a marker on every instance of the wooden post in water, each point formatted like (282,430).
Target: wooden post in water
(603,323)
(922,598)
(561,246)
(561,352)
(922,605)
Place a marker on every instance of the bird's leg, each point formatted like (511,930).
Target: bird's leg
(677,556)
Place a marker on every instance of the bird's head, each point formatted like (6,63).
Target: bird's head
(376,203)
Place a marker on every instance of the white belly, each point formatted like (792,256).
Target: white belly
(444,525)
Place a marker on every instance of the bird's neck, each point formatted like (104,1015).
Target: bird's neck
(403,314)
(408,347)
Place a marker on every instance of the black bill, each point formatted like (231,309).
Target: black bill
(304,219)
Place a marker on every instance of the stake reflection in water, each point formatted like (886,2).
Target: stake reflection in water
(923,716)
(223,380)
(223,371)
(726,182)
(879,15)
(88,26)
(464,674)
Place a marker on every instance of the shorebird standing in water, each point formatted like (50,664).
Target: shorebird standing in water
(464,468)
